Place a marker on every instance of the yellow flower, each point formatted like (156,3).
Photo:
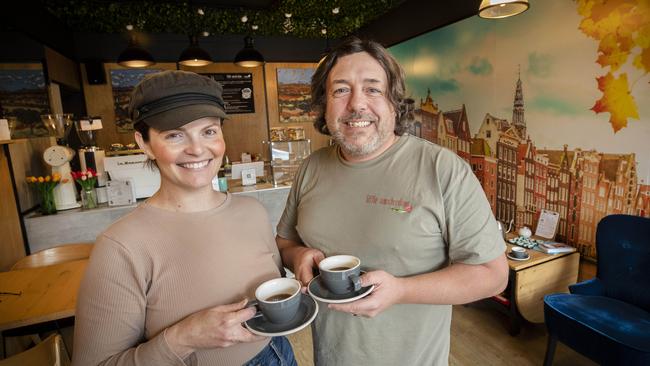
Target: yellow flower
(41,179)
(47,178)
(56,177)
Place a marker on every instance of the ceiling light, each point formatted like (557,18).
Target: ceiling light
(249,56)
(496,9)
(134,55)
(194,55)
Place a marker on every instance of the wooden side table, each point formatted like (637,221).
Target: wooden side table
(530,280)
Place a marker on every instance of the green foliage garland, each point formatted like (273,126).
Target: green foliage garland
(308,17)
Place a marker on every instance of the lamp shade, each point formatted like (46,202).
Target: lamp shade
(194,55)
(135,56)
(496,9)
(249,56)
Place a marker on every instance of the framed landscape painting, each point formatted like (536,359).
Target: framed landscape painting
(294,96)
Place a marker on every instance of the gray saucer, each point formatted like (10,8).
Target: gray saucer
(306,314)
(319,291)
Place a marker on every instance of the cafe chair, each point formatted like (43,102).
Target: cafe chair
(60,254)
(607,318)
(47,257)
(50,352)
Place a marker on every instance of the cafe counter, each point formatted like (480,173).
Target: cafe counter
(76,225)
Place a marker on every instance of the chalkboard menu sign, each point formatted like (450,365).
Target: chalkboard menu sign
(237,91)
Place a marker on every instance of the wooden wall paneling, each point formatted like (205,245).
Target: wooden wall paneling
(242,132)
(54,93)
(318,140)
(61,69)
(11,243)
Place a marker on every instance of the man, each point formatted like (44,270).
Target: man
(412,211)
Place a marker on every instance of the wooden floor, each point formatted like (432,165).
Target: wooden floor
(479,336)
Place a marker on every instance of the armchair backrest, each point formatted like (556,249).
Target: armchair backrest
(623,244)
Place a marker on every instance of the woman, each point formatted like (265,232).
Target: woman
(167,284)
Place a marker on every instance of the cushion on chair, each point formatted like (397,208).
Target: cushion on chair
(619,322)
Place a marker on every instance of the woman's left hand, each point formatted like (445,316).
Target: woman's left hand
(387,292)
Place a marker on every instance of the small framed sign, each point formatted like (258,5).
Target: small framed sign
(120,192)
(248,177)
(547,224)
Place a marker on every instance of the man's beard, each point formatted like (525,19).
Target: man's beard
(374,141)
(356,150)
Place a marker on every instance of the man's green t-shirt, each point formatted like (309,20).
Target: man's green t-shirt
(414,209)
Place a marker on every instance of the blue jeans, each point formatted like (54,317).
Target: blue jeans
(277,353)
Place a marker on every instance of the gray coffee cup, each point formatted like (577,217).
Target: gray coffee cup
(518,252)
(340,273)
(278,300)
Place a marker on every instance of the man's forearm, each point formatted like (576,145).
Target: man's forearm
(456,284)
(289,249)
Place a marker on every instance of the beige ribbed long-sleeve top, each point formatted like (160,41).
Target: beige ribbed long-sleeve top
(154,267)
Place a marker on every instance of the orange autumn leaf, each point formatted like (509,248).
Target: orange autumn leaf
(613,52)
(616,100)
(642,60)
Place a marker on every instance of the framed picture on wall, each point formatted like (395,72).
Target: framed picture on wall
(294,97)
(238,96)
(23,97)
(123,81)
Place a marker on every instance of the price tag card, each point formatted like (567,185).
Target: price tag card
(120,192)
(547,224)
(90,124)
(248,177)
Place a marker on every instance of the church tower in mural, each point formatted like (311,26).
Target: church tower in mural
(518,110)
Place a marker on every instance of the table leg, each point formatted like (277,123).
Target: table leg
(515,318)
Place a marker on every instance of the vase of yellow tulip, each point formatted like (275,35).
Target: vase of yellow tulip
(45,188)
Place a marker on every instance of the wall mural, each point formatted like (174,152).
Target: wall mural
(123,81)
(294,96)
(549,107)
(23,95)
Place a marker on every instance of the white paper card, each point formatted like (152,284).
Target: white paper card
(547,224)
(248,177)
(5,133)
(120,192)
(88,125)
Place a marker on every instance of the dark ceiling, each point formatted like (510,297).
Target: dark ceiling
(408,19)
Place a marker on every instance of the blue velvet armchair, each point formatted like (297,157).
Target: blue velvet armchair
(607,319)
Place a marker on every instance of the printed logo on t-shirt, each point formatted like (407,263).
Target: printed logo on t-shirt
(396,205)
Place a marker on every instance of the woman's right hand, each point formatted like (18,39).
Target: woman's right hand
(217,327)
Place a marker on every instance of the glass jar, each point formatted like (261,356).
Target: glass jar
(48,206)
(88,198)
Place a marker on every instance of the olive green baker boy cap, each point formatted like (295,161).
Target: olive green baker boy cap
(170,99)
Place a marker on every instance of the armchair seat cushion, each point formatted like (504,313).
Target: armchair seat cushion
(622,323)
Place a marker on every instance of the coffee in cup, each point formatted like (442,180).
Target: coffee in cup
(340,273)
(278,299)
(518,252)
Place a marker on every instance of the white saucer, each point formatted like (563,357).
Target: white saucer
(527,257)
(319,291)
(306,314)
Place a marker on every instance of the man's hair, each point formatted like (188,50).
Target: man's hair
(394,75)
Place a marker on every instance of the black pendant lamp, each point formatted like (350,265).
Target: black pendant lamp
(249,56)
(134,55)
(194,55)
